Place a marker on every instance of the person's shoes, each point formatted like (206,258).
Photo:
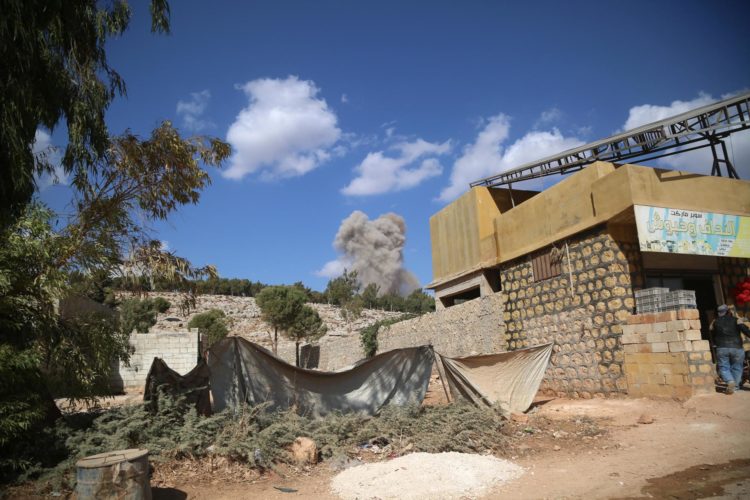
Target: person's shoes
(730,387)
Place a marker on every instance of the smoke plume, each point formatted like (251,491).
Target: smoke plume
(375,249)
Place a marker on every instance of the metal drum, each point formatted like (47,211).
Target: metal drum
(121,475)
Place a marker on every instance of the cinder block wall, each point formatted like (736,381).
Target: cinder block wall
(179,350)
(665,356)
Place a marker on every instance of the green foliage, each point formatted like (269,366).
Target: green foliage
(307,326)
(370,296)
(212,323)
(55,68)
(280,307)
(138,315)
(341,290)
(352,308)
(260,437)
(368,336)
(160,304)
(87,346)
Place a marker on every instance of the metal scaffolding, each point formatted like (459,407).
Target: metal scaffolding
(703,127)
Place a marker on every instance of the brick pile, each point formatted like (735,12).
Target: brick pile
(665,355)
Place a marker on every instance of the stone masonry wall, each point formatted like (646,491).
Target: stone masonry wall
(474,327)
(178,349)
(665,356)
(582,311)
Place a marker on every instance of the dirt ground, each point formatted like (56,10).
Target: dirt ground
(569,449)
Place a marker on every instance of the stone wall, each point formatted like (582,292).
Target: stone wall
(474,327)
(582,311)
(665,356)
(178,349)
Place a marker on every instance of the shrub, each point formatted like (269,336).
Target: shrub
(211,323)
(368,336)
(160,304)
(137,314)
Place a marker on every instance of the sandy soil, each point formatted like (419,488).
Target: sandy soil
(576,449)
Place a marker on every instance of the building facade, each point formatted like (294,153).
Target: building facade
(568,261)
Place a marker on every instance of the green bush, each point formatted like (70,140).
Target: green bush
(368,336)
(137,314)
(259,436)
(160,304)
(212,323)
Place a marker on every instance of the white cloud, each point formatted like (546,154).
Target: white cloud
(191,111)
(378,173)
(285,131)
(333,268)
(548,117)
(488,156)
(46,152)
(701,160)
(647,113)
(344,98)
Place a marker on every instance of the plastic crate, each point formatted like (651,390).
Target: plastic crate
(650,292)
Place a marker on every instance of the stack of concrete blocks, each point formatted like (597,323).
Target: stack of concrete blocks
(179,350)
(665,355)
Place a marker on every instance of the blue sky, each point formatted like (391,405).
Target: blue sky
(336,107)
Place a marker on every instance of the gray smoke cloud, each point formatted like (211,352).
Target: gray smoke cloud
(375,249)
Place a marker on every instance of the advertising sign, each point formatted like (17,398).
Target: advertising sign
(674,230)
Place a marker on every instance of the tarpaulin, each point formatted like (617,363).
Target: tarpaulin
(193,386)
(510,379)
(243,372)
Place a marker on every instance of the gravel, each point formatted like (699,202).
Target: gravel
(425,475)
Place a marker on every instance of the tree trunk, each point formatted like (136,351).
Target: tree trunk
(275,340)
(297,353)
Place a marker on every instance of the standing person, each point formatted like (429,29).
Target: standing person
(729,352)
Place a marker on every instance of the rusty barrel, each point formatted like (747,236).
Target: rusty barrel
(120,474)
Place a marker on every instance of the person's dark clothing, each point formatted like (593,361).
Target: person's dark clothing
(727,332)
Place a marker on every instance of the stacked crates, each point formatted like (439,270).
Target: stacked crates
(650,300)
(658,299)
(680,299)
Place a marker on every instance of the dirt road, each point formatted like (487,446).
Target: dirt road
(697,449)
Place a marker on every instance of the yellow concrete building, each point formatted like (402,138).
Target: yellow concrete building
(569,262)
(486,227)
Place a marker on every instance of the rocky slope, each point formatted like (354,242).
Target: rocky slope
(245,321)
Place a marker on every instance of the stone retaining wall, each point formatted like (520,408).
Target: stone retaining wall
(582,311)
(178,349)
(474,327)
(665,356)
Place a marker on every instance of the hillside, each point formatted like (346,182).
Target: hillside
(245,321)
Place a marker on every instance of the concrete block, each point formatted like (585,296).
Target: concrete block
(660,347)
(681,346)
(691,335)
(678,325)
(633,348)
(635,319)
(695,324)
(676,380)
(643,328)
(661,326)
(665,316)
(628,329)
(702,345)
(688,314)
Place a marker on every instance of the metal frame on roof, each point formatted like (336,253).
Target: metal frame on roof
(702,127)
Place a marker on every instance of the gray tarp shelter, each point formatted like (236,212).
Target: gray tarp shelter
(510,379)
(243,372)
